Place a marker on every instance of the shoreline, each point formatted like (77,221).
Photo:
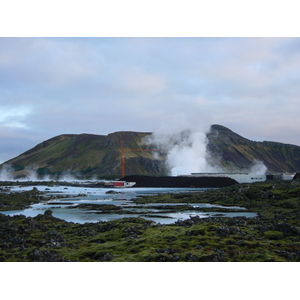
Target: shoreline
(274,235)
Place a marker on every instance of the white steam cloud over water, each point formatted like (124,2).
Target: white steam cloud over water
(6,174)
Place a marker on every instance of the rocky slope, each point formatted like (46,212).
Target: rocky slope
(233,151)
(91,155)
(87,155)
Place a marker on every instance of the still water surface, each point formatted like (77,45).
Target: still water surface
(123,197)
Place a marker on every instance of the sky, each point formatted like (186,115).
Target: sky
(52,86)
(119,81)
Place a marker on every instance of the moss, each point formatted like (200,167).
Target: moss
(19,201)
(273,235)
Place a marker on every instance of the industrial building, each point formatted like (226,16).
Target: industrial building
(199,180)
(123,184)
(246,177)
(238,177)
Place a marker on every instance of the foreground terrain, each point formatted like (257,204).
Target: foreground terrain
(274,235)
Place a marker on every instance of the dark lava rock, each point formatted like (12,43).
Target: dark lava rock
(132,232)
(48,213)
(53,238)
(86,232)
(17,241)
(52,234)
(189,222)
(46,256)
(191,257)
(224,231)
(99,207)
(219,256)
(195,232)
(112,192)
(168,250)
(286,229)
(290,256)
(104,256)
(170,238)
(167,258)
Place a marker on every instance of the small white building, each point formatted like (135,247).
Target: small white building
(123,184)
(239,177)
(280,176)
(288,176)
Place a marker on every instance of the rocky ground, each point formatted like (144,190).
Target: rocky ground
(272,236)
(18,201)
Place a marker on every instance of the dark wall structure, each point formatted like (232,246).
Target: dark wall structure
(179,182)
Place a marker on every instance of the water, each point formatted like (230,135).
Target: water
(72,196)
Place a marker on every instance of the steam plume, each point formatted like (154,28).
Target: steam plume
(186,149)
(187,152)
(6,174)
(258,168)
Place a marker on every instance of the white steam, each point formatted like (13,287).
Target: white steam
(6,173)
(257,168)
(187,152)
(30,174)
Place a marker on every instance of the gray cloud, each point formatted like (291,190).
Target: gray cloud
(50,86)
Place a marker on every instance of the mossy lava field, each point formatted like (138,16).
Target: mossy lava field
(272,236)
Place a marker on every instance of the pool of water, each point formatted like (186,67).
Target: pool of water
(64,205)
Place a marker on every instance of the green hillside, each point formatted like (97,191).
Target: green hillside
(236,152)
(89,155)
(86,155)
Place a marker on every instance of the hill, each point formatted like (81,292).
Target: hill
(86,155)
(236,152)
(89,155)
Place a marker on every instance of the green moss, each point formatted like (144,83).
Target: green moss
(273,235)
(19,201)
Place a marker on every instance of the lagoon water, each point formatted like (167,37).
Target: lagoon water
(68,196)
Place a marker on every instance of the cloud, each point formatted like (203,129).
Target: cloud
(50,86)
(14,116)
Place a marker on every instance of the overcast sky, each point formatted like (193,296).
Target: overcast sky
(53,86)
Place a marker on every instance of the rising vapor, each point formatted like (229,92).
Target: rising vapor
(188,153)
(186,149)
(30,174)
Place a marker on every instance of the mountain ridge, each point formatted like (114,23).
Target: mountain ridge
(90,155)
(241,152)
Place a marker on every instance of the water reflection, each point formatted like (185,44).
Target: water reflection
(65,205)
